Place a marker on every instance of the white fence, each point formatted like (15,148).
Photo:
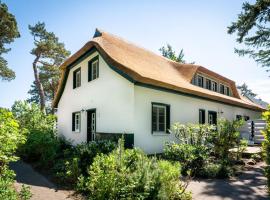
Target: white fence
(252,130)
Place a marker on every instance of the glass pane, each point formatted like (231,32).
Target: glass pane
(161,127)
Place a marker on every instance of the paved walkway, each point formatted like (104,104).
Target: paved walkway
(251,185)
(41,188)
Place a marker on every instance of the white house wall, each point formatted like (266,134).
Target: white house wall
(111,94)
(183,109)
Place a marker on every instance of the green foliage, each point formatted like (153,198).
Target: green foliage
(266,146)
(245,91)
(8,32)
(218,169)
(169,53)
(49,54)
(41,145)
(76,160)
(10,137)
(194,134)
(226,137)
(130,174)
(191,157)
(25,193)
(7,190)
(252,29)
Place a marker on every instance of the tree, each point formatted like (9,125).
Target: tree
(253,30)
(245,91)
(169,53)
(49,54)
(8,32)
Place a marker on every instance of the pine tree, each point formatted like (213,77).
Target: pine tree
(49,54)
(245,91)
(253,30)
(8,32)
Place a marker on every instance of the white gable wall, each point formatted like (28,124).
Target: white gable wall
(183,109)
(111,94)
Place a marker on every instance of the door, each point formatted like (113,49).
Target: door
(212,117)
(91,125)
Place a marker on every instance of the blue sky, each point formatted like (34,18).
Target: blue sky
(199,27)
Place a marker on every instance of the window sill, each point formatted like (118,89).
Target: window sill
(160,134)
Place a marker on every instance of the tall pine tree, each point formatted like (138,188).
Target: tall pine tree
(49,54)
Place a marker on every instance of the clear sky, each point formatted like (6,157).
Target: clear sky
(199,27)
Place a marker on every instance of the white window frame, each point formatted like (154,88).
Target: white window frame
(77,122)
(157,119)
(214,86)
(94,65)
(203,78)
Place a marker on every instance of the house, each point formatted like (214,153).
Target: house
(111,87)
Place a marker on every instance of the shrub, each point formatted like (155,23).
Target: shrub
(10,137)
(266,146)
(130,174)
(218,169)
(191,157)
(194,134)
(226,137)
(74,161)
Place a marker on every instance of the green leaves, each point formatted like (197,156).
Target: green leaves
(10,137)
(252,29)
(8,32)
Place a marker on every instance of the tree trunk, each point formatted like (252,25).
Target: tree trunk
(39,86)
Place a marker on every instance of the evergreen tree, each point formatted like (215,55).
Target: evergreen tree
(49,54)
(245,90)
(8,32)
(253,30)
(168,52)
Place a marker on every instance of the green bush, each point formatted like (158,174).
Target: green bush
(75,160)
(42,145)
(219,169)
(191,157)
(130,174)
(226,137)
(266,146)
(10,137)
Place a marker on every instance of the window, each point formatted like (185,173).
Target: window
(208,84)
(227,91)
(212,117)
(93,69)
(200,81)
(160,118)
(214,86)
(222,89)
(238,117)
(201,116)
(76,121)
(77,78)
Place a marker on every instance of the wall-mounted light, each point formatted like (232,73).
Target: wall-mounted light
(82,110)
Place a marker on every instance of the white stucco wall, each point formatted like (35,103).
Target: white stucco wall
(183,109)
(111,94)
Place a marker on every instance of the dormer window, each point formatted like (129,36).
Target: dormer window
(200,81)
(214,86)
(222,89)
(208,84)
(227,91)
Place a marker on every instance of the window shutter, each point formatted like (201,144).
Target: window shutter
(168,118)
(74,80)
(89,70)
(152,126)
(73,121)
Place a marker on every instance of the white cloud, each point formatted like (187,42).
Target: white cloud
(262,88)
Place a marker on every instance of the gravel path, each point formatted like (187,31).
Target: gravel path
(41,188)
(251,185)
